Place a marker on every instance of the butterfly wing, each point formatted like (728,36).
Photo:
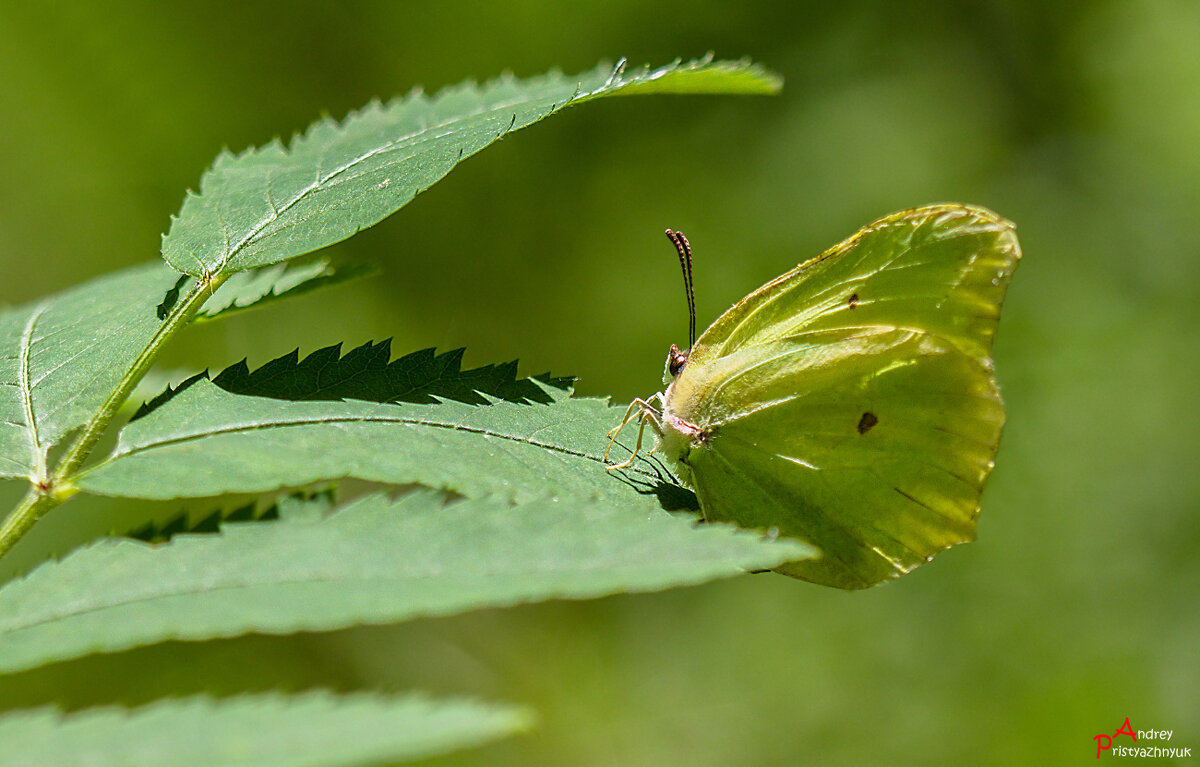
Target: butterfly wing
(851,402)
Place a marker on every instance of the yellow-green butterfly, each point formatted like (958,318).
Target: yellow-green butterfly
(850,402)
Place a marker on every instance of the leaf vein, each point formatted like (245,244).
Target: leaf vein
(35,445)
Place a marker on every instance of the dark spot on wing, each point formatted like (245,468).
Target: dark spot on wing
(867,421)
(853,300)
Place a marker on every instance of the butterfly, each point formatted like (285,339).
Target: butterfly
(850,402)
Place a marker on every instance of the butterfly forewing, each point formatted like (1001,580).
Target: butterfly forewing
(851,402)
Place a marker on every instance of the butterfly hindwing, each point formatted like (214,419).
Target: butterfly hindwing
(851,402)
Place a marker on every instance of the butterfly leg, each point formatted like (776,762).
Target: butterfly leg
(642,416)
(642,405)
(644,411)
(614,431)
(654,417)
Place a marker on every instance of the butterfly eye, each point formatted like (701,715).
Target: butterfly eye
(676,359)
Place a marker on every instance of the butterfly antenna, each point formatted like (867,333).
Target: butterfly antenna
(685,264)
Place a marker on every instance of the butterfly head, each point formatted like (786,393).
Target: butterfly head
(676,359)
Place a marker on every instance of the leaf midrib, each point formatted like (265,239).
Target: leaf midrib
(408,421)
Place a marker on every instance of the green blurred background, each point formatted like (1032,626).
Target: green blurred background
(1080,121)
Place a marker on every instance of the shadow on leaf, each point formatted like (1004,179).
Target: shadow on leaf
(171,298)
(297,505)
(663,485)
(368,373)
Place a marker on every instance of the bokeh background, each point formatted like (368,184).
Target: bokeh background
(1080,121)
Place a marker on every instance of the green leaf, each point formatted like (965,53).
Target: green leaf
(264,730)
(472,431)
(274,203)
(61,357)
(255,287)
(374,561)
(206,441)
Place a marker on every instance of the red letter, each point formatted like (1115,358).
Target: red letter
(1126,730)
(1102,746)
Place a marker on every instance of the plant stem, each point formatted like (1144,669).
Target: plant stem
(41,499)
(21,518)
(180,315)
